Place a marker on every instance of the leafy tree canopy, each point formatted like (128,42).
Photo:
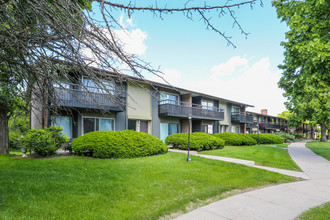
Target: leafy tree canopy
(306,69)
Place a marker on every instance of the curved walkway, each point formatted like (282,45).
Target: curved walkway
(284,201)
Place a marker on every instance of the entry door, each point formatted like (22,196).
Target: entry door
(144,126)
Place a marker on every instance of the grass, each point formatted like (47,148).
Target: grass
(18,152)
(320,148)
(139,188)
(261,154)
(282,145)
(321,212)
(277,145)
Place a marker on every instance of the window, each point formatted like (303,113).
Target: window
(167,129)
(132,125)
(209,105)
(235,129)
(97,124)
(137,125)
(173,128)
(223,128)
(64,122)
(208,129)
(255,118)
(235,110)
(105,87)
(168,98)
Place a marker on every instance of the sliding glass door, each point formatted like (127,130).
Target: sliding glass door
(97,124)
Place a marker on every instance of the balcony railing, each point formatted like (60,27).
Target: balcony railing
(272,125)
(242,118)
(90,97)
(268,125)
(179,109)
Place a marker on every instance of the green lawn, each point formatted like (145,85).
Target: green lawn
(262,155)
(277,145)
(320,148)
(140,188)
(321,212)
(282,145)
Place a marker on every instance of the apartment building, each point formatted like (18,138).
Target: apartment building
(271,124)
(267,123)
(146,106)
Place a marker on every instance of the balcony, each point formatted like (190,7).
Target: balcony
(172,108)
(272,125)
(242,118)
(263,125)
(90,97)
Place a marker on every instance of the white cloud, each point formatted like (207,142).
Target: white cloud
(235,63)
(133,41)
(128,21)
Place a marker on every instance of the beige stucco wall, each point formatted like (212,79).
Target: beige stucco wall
(139,102)
(225,106)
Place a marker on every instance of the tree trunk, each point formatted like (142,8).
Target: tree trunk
(3,132)
(323,133)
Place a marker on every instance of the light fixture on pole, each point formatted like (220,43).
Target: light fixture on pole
(258,126)
(189,120)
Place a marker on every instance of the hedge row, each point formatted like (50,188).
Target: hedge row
(235,139)
(198,141)
(268,138)
(118,144)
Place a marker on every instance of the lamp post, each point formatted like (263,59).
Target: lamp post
(258,125)
(189,119)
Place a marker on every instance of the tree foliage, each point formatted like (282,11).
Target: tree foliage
(292,119)
(306,69)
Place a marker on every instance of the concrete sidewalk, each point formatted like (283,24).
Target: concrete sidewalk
(247,163)
(285,201)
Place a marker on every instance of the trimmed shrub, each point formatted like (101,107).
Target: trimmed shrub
(287,137)
(235,139)
(267,138)
(118,144)
(44,142)
(247,140)
(198,141)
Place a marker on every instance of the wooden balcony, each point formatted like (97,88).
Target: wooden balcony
(171,108)
(242,118)
(89,97)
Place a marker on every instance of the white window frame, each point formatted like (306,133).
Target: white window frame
(82,127)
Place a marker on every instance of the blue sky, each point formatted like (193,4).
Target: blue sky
(198,59)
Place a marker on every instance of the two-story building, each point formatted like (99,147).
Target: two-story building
(81,106)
